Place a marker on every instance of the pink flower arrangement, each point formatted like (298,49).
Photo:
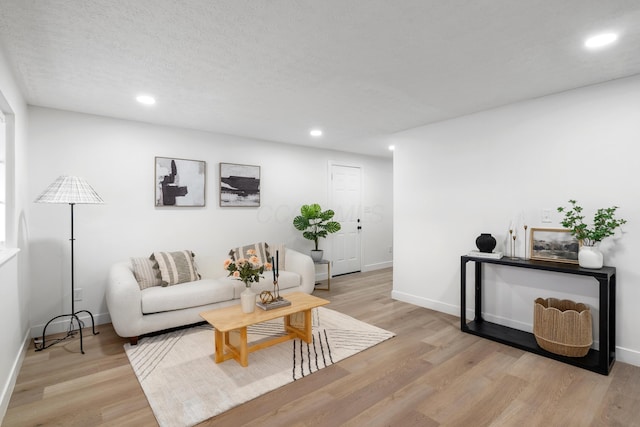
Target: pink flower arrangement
(247,269)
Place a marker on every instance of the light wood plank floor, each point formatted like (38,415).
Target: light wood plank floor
(430,374)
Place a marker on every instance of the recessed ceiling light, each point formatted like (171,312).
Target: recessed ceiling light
(146,99)
(600,40)
(392,147)
(315,132)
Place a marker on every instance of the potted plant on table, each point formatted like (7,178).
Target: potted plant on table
(604,225)
(315,224)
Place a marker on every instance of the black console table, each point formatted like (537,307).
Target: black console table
(599,361)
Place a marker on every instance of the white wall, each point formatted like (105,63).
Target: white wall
(117,158)
(456,179)
(13,271)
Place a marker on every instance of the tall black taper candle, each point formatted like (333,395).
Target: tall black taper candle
(273,268)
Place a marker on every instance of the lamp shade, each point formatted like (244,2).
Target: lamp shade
(69,189)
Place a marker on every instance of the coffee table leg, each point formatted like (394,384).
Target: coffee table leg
(219,345)
(305,332)
(307,326)
(244,351)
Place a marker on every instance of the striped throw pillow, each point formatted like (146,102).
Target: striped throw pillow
(262,252)
(144,273)
(175,267)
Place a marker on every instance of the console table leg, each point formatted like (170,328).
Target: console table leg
(463,294)
(612,317)
(478,307)
(604,325)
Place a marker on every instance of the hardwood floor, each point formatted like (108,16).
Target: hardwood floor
(430,374)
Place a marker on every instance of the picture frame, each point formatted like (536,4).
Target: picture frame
(180,182)
(239,185)
(553,244)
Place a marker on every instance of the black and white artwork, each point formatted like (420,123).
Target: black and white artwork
(180,182)
(550,244)
(239,185)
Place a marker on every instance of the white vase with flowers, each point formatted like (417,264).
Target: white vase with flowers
(247,269)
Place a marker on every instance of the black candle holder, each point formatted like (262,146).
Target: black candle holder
(270,300)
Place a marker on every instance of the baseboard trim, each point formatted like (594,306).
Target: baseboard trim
(322,275)
(7,390)
(626,355)
(426,303)
(377,266)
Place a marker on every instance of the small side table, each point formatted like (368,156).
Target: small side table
(328,263)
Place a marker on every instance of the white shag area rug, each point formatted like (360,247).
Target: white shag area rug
(185,386)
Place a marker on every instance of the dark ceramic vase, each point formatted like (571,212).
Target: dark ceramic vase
(486,242)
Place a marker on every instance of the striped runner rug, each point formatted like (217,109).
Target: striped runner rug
(184,385)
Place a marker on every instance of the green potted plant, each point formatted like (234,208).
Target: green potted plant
(604,225)
(315,224)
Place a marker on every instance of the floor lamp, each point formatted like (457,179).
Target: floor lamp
(72,190)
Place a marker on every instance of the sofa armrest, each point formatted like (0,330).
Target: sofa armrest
(302,264)
(124,300)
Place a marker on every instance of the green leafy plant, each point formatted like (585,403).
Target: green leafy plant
(315,223)
(604,223)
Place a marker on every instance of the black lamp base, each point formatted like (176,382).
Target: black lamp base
(70,333)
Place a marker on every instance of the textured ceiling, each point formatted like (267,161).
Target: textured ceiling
(272,69)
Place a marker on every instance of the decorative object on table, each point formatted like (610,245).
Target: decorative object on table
(604,225)
(486,242)
(562,326)
(489,255)
(266,297)
(271,300)
(180,182)
(315,224)
(72,190)
(553,244)
(239,185)
(248,270)
(510,241)
(513,237)
(274,303)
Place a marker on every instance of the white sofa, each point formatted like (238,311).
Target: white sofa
(135,312)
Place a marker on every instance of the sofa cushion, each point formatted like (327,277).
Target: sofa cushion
(191,294)
(175,267)
(287,279)
(145,274)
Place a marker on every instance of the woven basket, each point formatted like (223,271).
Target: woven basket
(562,326)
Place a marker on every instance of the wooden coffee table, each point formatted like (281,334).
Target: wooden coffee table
(230,325)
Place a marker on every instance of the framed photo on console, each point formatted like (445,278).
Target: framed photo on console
(554,244)
(179,182)
(239,185)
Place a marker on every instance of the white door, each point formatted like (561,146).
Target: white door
(346,187)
